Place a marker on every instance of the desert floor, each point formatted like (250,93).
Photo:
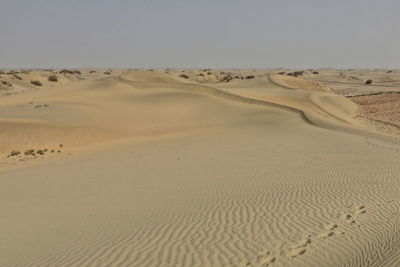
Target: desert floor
(199,168)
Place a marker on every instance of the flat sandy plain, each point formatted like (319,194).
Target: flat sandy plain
(200,168)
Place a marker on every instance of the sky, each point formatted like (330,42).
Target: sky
(200,33)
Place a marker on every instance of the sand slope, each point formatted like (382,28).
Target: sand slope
(161,171)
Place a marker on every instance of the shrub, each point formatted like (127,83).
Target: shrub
(369,81)
(107,73)
(250,77)
(37,83)
(53,78)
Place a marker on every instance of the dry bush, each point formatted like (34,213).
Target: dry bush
(29,152)
(37,83)
(14,153)
(53,78)
(250,77)
(184,76)
(227,78)
(369,81)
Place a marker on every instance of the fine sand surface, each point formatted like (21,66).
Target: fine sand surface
(146,168)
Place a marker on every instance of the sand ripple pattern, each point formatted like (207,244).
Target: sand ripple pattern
(256,210)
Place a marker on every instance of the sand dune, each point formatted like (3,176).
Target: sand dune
(159,170)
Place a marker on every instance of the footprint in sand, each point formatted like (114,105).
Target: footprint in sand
(325,235)
(263,259)
(331,226)
(348,219)
(303,243)
(297,252)
(300,248)
(359,210)
(267,261)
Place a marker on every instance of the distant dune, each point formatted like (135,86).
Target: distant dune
(199,167)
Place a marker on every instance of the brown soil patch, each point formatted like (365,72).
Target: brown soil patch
(382,107)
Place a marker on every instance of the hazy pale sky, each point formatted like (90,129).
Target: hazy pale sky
(200,33)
